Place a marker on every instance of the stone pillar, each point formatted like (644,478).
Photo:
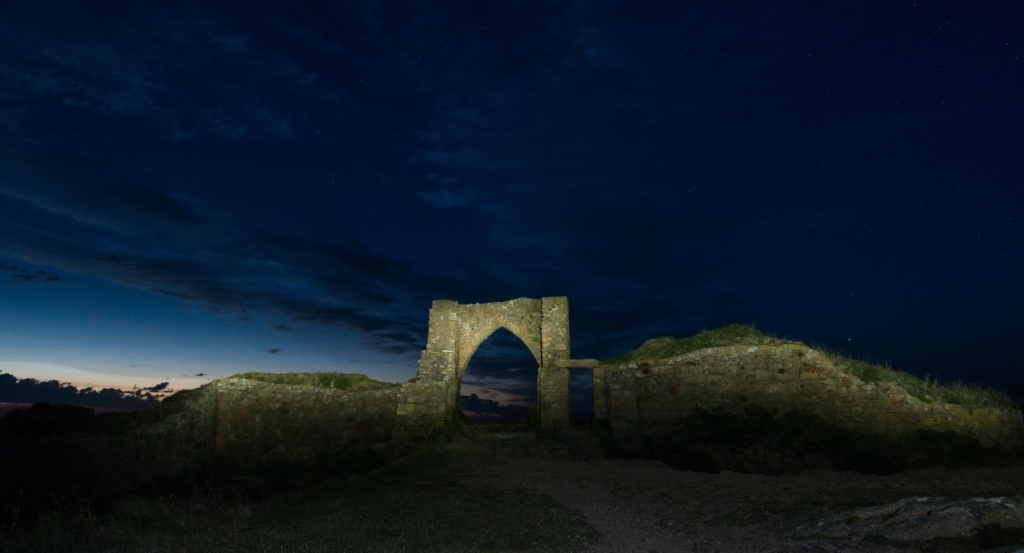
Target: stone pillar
(600,393)
(553,381)
(432,396)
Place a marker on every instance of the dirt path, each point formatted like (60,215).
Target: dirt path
(644,506)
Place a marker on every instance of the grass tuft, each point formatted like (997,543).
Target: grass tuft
(340,381)
(973,396)
(665,347)
(927,389)
(181,396)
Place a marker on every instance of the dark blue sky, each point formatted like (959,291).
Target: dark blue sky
(218,187)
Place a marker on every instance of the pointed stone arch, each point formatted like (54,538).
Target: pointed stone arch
(456,331)
(478,327)
(504,347)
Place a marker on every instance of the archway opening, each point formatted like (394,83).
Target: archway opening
(581,397)
(500,382)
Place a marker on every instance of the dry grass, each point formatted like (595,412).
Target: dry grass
(665,347)
(340,381)
(925,389)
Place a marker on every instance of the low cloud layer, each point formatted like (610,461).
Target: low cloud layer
(488,410)
(30,390)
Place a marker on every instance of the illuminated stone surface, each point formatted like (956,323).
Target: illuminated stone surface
(650,397)
(456,331)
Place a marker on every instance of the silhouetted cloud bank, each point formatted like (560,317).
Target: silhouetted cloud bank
(490,410)
(30,390)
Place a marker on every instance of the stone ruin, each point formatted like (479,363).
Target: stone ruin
(457,330)
(251,423)
(648,398)
(637,401)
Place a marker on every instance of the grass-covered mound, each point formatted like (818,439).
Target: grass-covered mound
(927,389)
(924,389)
(350,382)
(666,346)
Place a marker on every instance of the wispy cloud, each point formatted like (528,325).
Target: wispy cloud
(145,65)
(173,245)
(85,194)
(481,409)
(561,145)
(24,275)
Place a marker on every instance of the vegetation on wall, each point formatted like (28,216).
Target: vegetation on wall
(182,396)
(339,381)
(927,389)
(924,389)
(666,346)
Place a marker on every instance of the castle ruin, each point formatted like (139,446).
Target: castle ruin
(456,331)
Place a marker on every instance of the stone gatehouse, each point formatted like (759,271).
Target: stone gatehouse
(648,398)
(456,331)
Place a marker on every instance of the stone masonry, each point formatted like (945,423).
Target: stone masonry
(456,331)
(251,421)
(647,398)
(258,420)
(642,399)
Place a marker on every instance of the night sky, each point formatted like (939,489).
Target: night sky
(197,189)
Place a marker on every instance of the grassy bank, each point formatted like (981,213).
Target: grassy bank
(925,389)
(339,381)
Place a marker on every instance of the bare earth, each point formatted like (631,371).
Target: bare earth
(646,506)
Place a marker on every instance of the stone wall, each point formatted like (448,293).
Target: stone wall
(553,379)
(177,439)
(430,397)
(52,456)
(257,420)
(647,398)
(454,333)
(65,453)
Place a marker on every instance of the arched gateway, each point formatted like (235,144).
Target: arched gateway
(454,334)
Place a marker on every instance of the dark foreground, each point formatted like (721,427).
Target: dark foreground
(518,493)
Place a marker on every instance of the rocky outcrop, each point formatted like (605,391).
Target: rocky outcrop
(917,521)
